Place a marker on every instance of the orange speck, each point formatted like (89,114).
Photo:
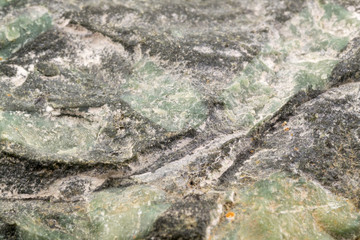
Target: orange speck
(252,151)
(230,215)
(9,95)
(284,124)
(286,129)
(292,134)
(1,58)
(296,149)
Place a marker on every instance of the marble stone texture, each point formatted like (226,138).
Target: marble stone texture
(171,119)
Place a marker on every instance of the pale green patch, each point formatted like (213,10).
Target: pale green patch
(301,55)
(167,100)
(15,32)
(314,75)
(282,207)
(56,227)
(38,220)
(4,3)
(334,10)
(247,94)
(46,136)
(126,214)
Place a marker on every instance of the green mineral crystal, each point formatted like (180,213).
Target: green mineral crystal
(283,207)
(314,74)
(301,56)
(50,222)
(4,3)
(167,100)
(15,32)
(126,214)
(36,228)
(46,136)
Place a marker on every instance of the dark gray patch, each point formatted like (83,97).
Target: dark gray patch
(348,70)
(7,70)
(7,231)
(186,219)
(47,69)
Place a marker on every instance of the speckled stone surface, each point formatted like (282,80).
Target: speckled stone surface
(232,119)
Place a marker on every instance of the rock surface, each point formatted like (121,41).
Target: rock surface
(179,119)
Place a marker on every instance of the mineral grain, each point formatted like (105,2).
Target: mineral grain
(170,119)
